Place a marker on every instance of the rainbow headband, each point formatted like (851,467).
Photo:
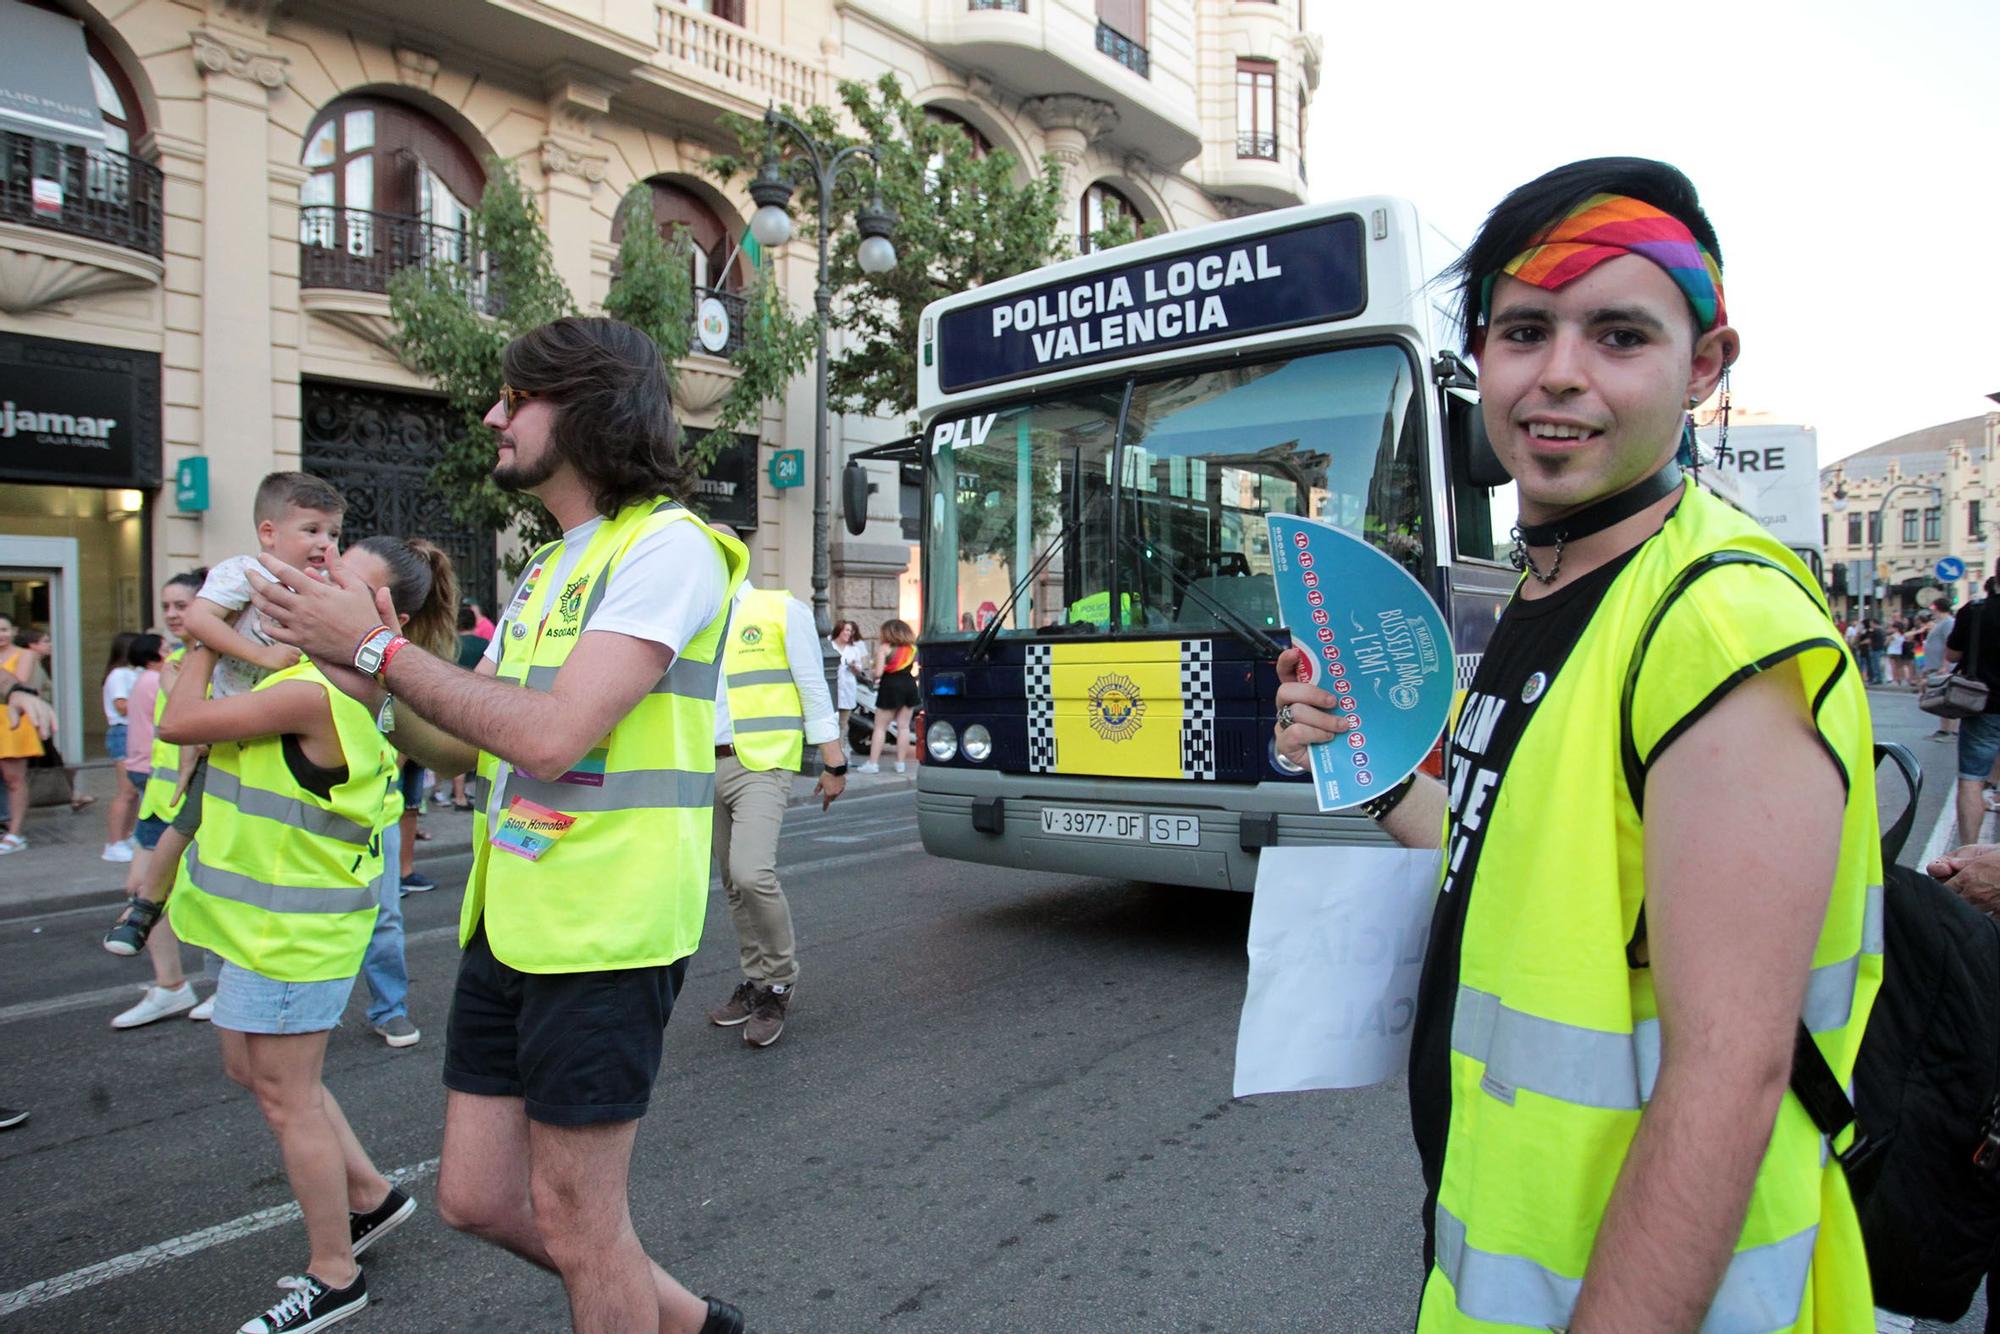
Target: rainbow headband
(1606,226)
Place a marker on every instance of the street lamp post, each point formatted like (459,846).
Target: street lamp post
(772,226)
(1875,536)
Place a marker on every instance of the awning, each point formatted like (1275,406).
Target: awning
(45,84)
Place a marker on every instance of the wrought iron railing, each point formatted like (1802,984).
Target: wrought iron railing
(733,308)
(358,250)
(1257,145)
(92,192)
(1124,50)
(1007,6)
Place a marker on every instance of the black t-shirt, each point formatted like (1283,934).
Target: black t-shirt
(1974,620)
(1529,647)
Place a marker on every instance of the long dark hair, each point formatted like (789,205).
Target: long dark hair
(1531,209)
(613,420)
(422,587)
(121,645)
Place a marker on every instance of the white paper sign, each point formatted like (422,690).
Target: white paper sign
(1337,938)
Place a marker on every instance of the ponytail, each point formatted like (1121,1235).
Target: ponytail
(421,587)
(192,580)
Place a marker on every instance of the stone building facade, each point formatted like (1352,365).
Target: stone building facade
(215,267)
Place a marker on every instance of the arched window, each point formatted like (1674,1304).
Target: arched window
(117,102)
(384,157)
(716,264)
(981,145)
(1102,206)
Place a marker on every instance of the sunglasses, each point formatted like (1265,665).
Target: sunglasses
(511,400)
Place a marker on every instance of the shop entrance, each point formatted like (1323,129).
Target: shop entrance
(378,448)
(38,586)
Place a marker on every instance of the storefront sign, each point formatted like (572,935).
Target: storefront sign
(788,468)
(191,485)
(1258,283)
(727,491)
(45,87)
(79,415)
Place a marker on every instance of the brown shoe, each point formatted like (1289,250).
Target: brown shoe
(767,1016)
(737,1008)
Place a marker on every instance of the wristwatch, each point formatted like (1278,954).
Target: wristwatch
(368,657)
(834,770)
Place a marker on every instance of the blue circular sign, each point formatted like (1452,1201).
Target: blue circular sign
(1950,567)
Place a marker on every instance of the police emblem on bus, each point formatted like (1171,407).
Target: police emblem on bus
(751,635)
(1116,708)
(1532,691)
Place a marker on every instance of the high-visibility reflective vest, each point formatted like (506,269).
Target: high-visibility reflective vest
(1555,1041)
(157,801)
(766,717)
(626,886)
(280,880)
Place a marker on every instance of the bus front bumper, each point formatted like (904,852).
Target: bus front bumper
(1178,833)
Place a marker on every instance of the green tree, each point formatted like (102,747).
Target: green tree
(962,220)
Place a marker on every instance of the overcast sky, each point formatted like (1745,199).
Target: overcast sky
(1848,154)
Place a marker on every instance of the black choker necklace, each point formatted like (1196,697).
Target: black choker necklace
(1590,519)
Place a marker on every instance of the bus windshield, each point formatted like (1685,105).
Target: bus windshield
(1163,531)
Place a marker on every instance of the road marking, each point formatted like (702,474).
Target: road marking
(104,995)
(176,1248)
(1944,833)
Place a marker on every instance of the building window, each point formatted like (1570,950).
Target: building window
(1909,526)
(1102,207)
(716,264)
(1826,530)
(1854,530)
(981,145)
(1257,109)
(1005,6)
(730,11)
(1933,525)
(1874,527)
(1121,34)
(368,153)
(1972,518)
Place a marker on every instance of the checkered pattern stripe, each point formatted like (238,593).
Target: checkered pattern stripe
(1198,708)
(1468,663)
(1041,694)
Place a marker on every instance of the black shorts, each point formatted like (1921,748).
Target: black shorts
(578,1048)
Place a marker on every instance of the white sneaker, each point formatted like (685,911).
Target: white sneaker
(11,843)
(867,768)
(157,1003)
(116,852)
(204,1011)
(899,766)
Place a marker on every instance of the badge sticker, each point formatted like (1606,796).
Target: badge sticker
(1532,691)
(589,771)
(530,830)
(519,631)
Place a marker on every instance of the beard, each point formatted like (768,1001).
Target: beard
(519,476)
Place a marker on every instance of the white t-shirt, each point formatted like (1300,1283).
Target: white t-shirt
(666,590)
(118,685)
(228,587)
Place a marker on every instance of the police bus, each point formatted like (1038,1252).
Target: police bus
(1100,442)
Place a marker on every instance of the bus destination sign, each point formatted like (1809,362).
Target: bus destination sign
(1306,274)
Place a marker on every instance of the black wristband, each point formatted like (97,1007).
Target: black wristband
(1378,808)
(834,770)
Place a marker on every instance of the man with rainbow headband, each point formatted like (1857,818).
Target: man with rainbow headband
(1661,869)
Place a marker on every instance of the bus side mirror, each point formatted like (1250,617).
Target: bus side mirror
(1470,444)
(855,488)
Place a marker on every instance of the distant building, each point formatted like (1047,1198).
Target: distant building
(1943,490)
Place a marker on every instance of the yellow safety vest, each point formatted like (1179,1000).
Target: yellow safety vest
(1555,1040)
(626,885)
(282,881)
(157,801)
(766,715)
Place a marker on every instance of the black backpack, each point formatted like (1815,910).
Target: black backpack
(1925,1163)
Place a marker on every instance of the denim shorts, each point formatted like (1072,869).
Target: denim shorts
(138,781)
(114,739)
(148,831)
(1978,744)
(247,1002)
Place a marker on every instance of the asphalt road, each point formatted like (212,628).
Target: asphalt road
(1001,1103)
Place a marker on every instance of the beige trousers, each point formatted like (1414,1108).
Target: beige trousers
(749,812)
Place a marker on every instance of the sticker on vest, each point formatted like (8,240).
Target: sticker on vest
(589,771)
(523,593)
(1497,1088)
(529,830)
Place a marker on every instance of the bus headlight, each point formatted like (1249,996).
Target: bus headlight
(978,743)
(942,741)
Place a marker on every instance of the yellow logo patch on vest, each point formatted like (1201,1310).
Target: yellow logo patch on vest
(572,598)
(1117,709)
(752,635)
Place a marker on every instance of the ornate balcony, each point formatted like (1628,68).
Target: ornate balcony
(357,250)
(1124,50)
(702,54)
(1257,146)
(75,222)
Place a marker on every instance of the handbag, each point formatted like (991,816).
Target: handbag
(1952,694)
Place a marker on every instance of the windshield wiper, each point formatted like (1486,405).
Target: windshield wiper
(1268,646)
(982,644)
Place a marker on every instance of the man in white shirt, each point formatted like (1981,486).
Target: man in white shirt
(770,702)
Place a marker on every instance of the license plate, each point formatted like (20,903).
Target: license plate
(1127,826)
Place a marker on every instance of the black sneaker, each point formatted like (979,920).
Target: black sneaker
(128,936)
(722,1318)
(309,1305)
(416,882)
(364,1230)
